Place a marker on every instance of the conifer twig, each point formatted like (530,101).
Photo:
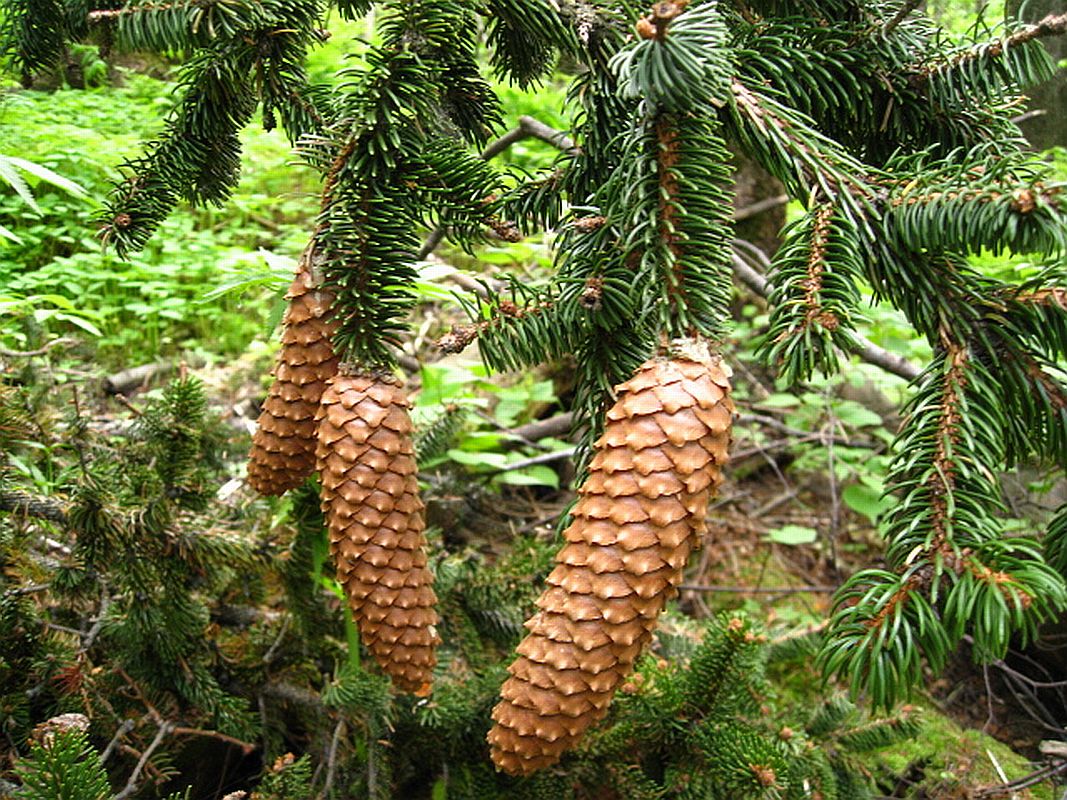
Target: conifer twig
(900,16)
(90,636)
(799,633)
(331,758)
(132,785)
(268,657)
(696,587)
(1051,25)
(126,726)
(528,128)
(181,730)
(102,15)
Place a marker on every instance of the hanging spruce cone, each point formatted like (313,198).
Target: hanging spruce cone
(639,516)
(283,448)
(370,494)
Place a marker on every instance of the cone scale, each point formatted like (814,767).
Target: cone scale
(283,447)
(639,515)
(370,496)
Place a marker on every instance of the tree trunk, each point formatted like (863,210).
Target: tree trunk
(752,183)
(1050,128)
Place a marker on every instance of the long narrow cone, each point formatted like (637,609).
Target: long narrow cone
(283,448)
(370,495)
(639,516)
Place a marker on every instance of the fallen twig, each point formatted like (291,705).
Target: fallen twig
(33,506)
(1034,778)
(40,351)
(544,428)
(533,461)
(132,784)
(126,726)
(696,587)
(129,379)
(757,208)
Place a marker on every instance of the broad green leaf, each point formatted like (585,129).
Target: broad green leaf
(479,459)
(856,415)
(531,476)
(17,182)
(48,176)
(792,535)
(80,322)
(57,300)
(480,441)
(866,500)
(780,400)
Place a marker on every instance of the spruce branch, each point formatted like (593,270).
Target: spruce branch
(814,295)
(514,333)
(867,350)
(941,484)
(789,146)
(534,203)
(972,199)
(104,14)
(947,552)
(671,195)
(1051,25)
(1034,395)
(902,14)
(461,193)
(989,70)
(33,35)
(525,36)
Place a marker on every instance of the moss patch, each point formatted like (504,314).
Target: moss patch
(948,761)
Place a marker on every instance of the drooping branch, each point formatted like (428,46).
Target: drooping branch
(814,312)
(942,481)
(864,348)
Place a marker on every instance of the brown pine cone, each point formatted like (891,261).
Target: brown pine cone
(283,448)
(639,515)
(370,495)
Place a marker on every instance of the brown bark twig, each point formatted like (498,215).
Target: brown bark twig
(40,351)
(1034,778)
(132,785)
(126,726)
(331,758)
(32,506)
(900,16)
(695,587)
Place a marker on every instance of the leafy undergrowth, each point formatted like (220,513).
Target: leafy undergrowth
(57,280)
